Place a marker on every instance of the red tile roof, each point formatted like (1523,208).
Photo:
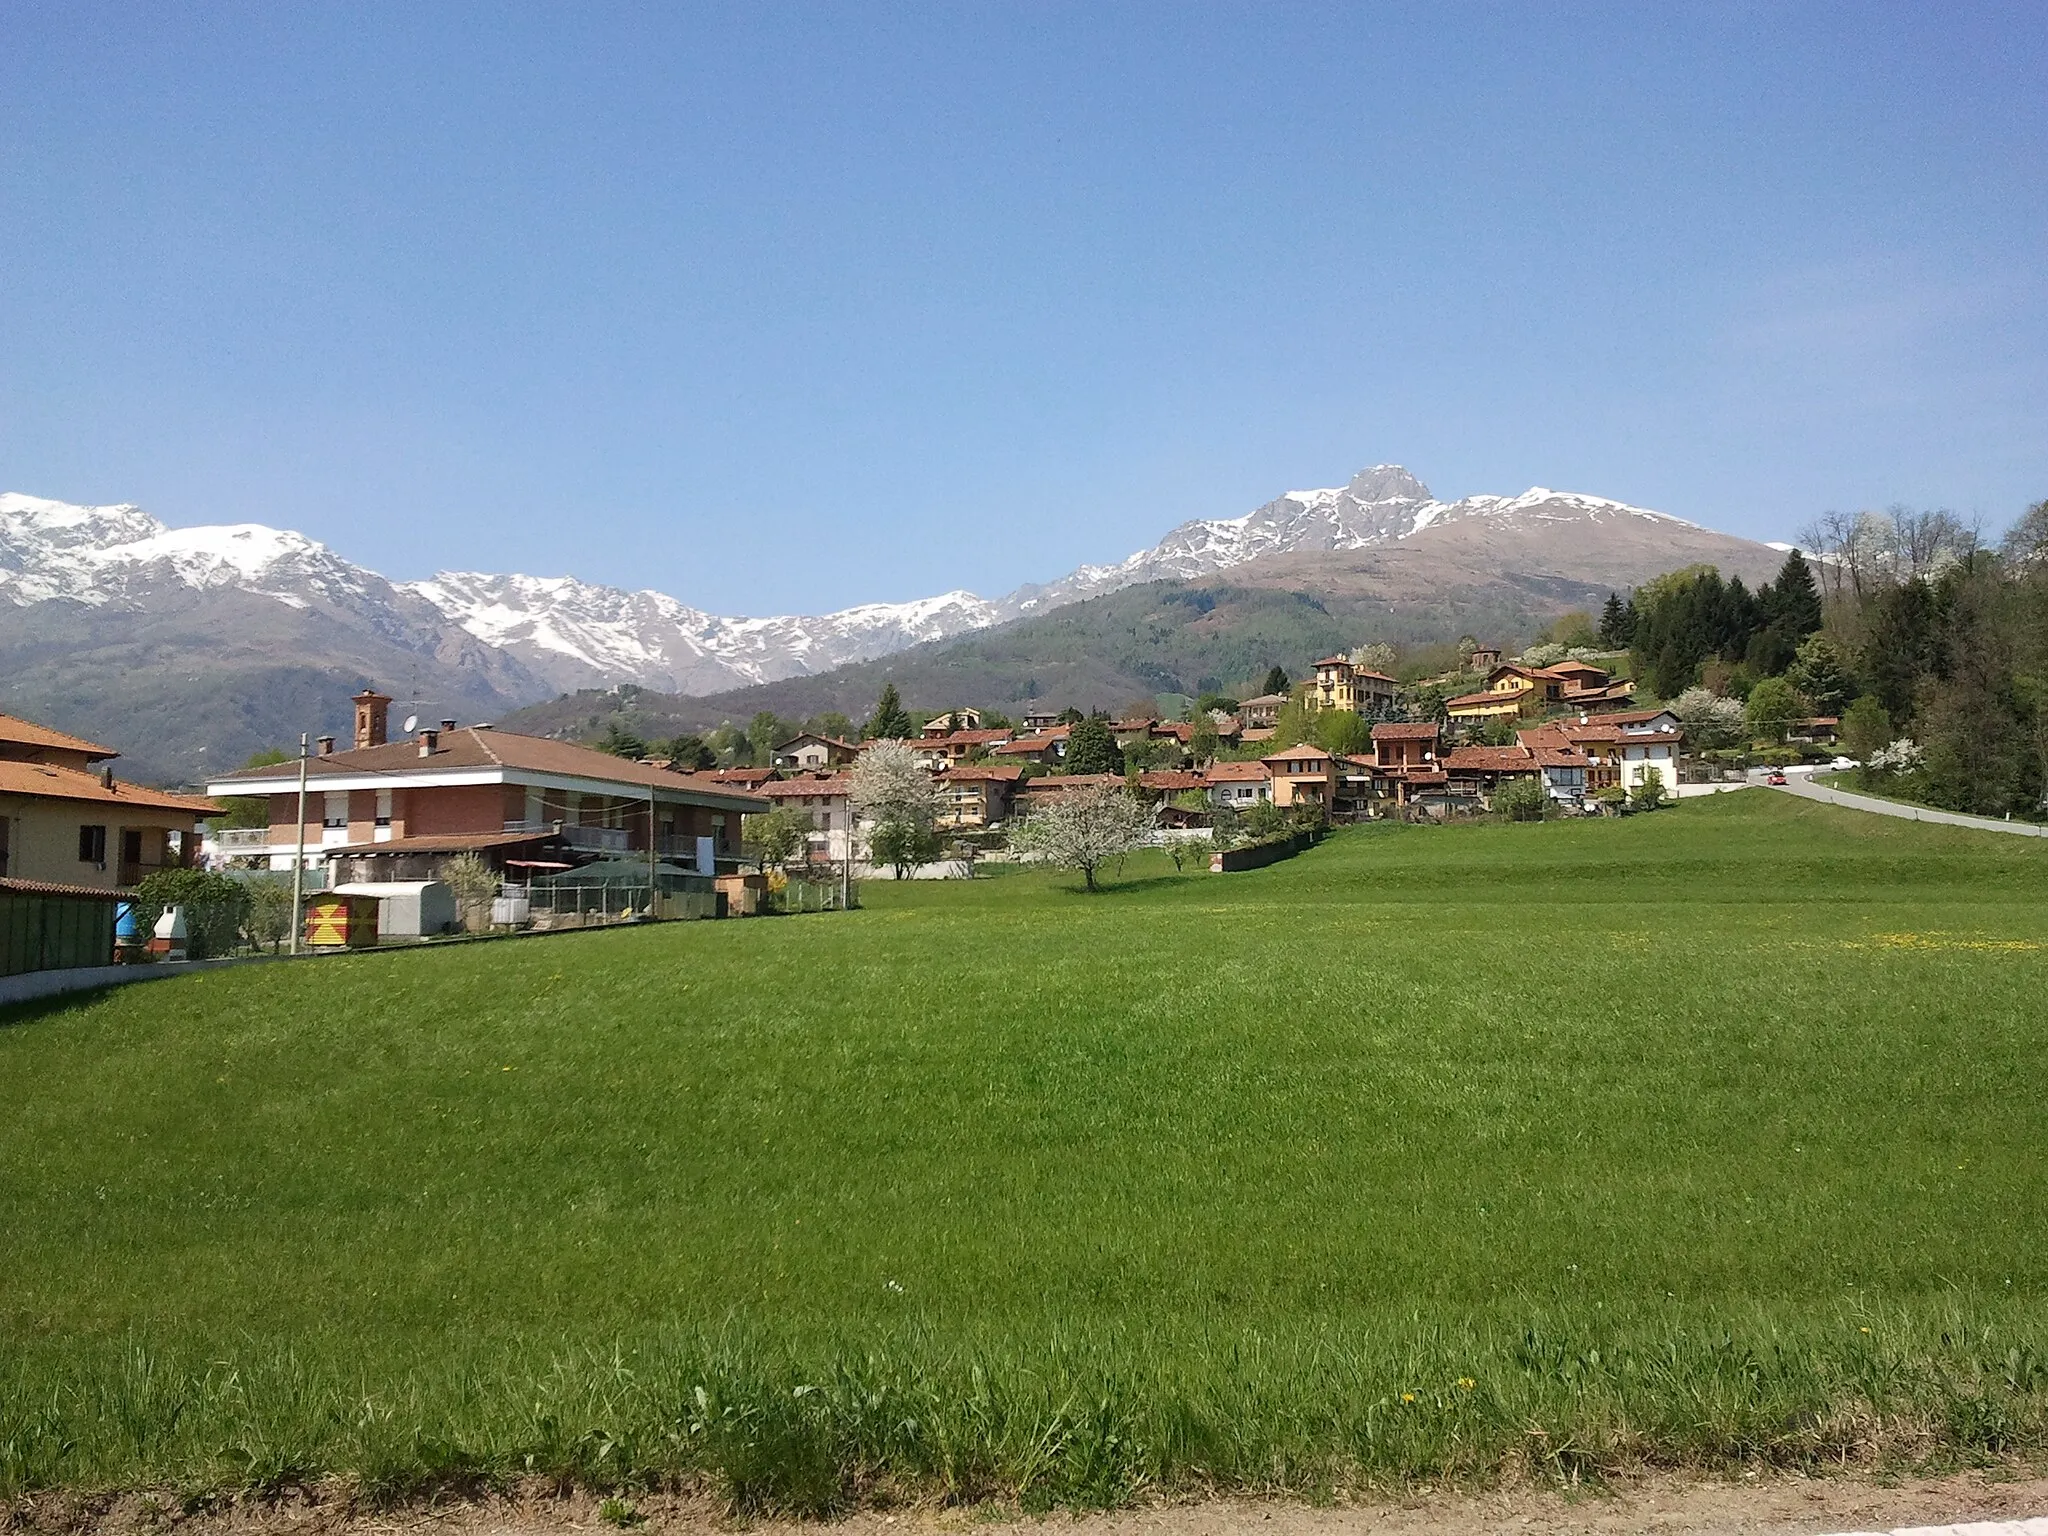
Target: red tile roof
(827,784)
(1025,747)
(1490,759)
(26,733)
(1171,780)
(1486,696)
(1305,751)
(1628,716)
(49,782)
(1235,773)
(1404,730)
(972,773)
(965,738)
(1066,783)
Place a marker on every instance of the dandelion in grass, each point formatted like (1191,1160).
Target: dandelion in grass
(1467,1383)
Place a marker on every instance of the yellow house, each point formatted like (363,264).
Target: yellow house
(1510,693)
(63,823)
(1340,683)
(1303,775)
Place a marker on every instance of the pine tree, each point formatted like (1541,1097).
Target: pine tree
(890,721)
(1795,599)
(1613,622)
(1276,681)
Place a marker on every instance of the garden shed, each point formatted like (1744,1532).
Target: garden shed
(45,927)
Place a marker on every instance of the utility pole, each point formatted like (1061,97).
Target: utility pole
(652,859)
(299,858)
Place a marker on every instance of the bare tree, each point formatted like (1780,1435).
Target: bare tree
(1085,829)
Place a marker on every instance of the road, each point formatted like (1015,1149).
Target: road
(1797,783)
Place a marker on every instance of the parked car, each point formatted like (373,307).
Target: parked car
(1842,764)
(1776,776)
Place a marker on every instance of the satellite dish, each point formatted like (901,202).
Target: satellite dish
(412,723)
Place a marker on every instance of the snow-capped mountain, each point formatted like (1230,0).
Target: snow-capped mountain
(561,633)
(1381,505)
(651,639)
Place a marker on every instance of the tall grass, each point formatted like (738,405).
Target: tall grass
(1711,1136)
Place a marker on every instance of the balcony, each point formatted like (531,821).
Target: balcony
(242,839)
(590,839)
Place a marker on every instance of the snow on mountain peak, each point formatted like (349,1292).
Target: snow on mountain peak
(576,633)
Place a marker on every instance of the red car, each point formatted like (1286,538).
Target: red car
(1775,777)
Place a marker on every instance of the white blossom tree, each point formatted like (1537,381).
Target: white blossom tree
(1710,721)
(1085,829)
(897,798)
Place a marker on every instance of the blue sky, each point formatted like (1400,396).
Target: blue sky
(783,308)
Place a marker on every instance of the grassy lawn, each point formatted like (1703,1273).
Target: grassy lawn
(1712,1134)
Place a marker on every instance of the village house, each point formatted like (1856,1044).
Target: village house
(1263,712)
(826,801)
(810,753)
(66,820)
(1340,683)
(1048,748)
(949,749)
(977,795)
(1514,691)
(1476,772)
(1405,759)
(1238,786)
(1037,717)
(952,720)
(1565,767)
(1303,775)
(1484,658)
(401,810)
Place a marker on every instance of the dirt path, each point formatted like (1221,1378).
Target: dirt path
(1657,1506)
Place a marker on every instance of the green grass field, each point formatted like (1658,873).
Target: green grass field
(1714,1134)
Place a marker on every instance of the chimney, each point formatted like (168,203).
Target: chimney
(327,746)
(373,717)
(429,740)
(107,778)
(447,725)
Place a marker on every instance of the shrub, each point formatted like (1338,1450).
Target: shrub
(215,907)
(1648,795)
(1522,799)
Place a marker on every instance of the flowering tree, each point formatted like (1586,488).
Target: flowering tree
(1086,829)
(1710,721)
(898,799)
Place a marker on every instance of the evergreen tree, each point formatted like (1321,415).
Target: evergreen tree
(621,742)
(1276,681)
(1614,623)
(1898,645)
(890,720)
(689,754)
(1092,748)
(1795,600)
(1821,673)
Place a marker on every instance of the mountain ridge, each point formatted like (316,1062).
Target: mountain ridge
(213,639)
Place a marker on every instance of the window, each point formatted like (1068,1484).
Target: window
(336,812)
(92,846)
(383,807)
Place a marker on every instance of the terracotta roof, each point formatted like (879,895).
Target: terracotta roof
(965,738)
(1628,716)
(1426,776)
(1638,738)
(1392,682)
(1490,759)
(810,784)
(1567,668)
(28,734)
(830,741)
(1170,780)
(1404,730)
(54,783)
(1026,746)
(1062,783)
(1559,757)
(1235,773)
(1818,720)
(974,773)
(1264,698)
(52,888)
(1487,696)
(1290,754)
(1255,733)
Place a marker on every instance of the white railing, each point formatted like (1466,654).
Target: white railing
(242,839)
